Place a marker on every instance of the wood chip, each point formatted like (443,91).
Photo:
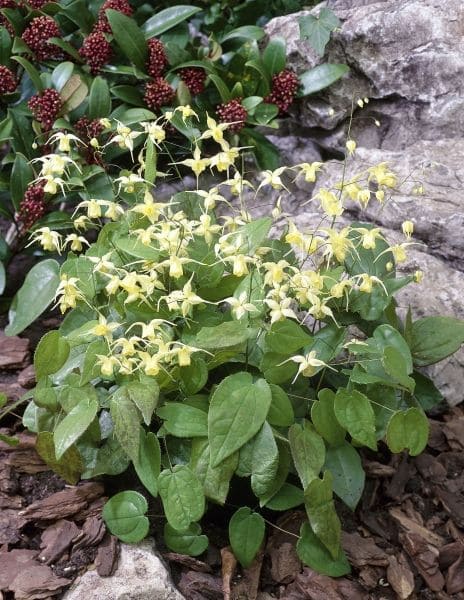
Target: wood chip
(188,561)
(310,585)
(91,534)
(200,586)
(14,352)
(56,539)
(26,378)
(363,551)
(450,554)
(376,469)
(455,576)
(413,527)
(400,576)
(425,558)
(285,564)
(107,556)
(228,566)
(10,526)
(27,578)
(430,468)
(452,503)
(63,504)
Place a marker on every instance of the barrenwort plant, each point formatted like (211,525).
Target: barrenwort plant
(66,65)
(213,354)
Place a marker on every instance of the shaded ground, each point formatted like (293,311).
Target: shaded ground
(406,538)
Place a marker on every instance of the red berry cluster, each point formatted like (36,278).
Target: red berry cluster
(33,206)
(8,4)
(157,59)
(37,4)
(121,6)
(194,78)
(36,36)
(3,20)
(233,112)
(283,90)
(87,129)
(45,107)
(158,93)
(8,82)
(96,51)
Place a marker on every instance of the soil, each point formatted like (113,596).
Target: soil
(405,539)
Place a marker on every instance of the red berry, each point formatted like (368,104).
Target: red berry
(121,6)
(33,206)
(36,36)
(283,90)
(194,78)
(157,59)
(233,112)
(8,4)
(45,107)
(8,82)
(158,93)
(96,51)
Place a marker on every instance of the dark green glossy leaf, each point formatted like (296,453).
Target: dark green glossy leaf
(348,475)
(308,451)
(167,19)
(322,515)
(99,99)
(51,354)
(128,37)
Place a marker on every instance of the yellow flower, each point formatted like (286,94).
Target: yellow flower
(351,147)
(215,130)
(309,170)
(155,132)
(107,364)
(408,229)
(68,293)
(149,208)
(331,205)
(240,306)
(48,239)
(369,237)
(382,176)
(418,276)
(104,329)
(196,164)
(364,196)
(309,365)
(76,242)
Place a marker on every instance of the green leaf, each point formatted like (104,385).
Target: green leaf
(267,155)
(2,278)
(167,19)
(386,335)
(281,474)
(265,461)
(435,338)
(348,475)
(99,99)
(61,74)
(124,515)
(193,377)
(281,410)
(31,71)
(73,93)
(328,342)
(148,464)
(144,395)
(274,370)
(408,430)
(275,56)
(286,337)
(394,364)
(215,480)
(253,234)
(237,411)
(320,77)
(51,354)
(324,420)
(129,37)
(425,391)
(321,512)
(182,496)
(183,420)
(354,412)
(67,47)
(75,424)
(314,554)
(247,32)
(150,161)
(221,87)
(317,29)
(5,47)
(308,452)
(69,466)
(126,422)
(246,534)
(35,295)
(188,542)
(21,175)
(226,335)
(289,496)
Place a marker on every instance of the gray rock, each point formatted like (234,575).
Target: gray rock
(407,56)
(141,575)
